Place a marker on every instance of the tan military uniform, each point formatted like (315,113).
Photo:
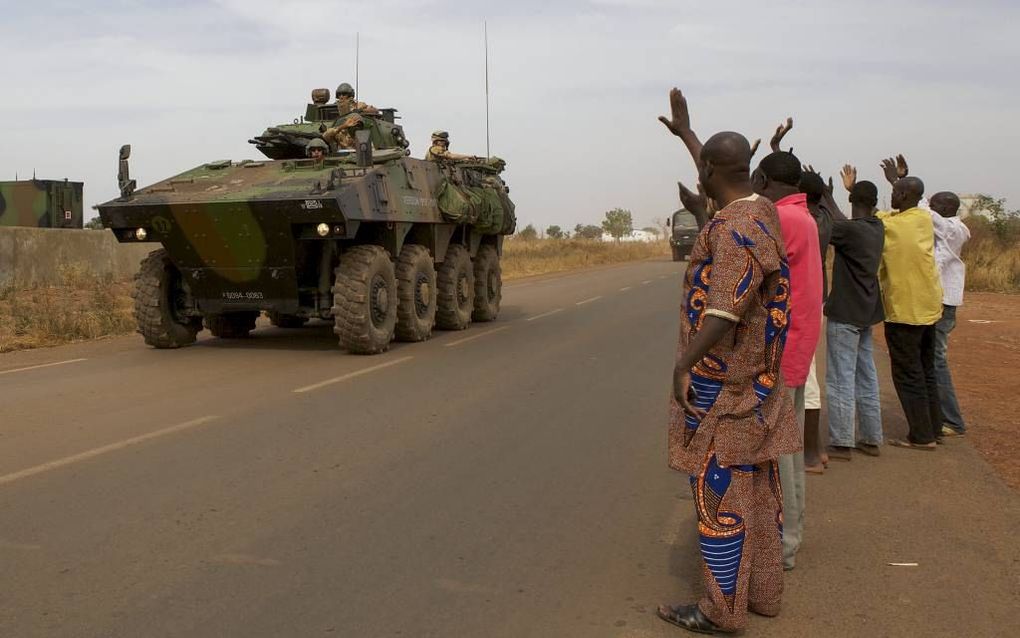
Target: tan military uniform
(437,151)
(342,135)
(349,105)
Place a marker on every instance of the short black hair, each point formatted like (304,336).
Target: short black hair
(782,167)
(864,193)
(811,184)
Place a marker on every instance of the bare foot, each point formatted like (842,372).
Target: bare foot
(814,469)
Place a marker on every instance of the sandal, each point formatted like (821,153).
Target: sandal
(870,449)
(927,447)
(689,617)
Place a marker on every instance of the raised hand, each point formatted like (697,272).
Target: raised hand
(849,175)
(754,147)
(890,170)
(902,170)
(696,204)
(679,121)
(780,133)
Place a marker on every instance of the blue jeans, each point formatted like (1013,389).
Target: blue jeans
(851,385)
(947,394)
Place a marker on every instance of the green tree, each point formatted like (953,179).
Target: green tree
(1003,222)
(554,232)
(95,223)
(528,233)
(587,231)
(618,223)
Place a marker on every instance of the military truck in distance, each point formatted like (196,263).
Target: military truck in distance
(683,234)
(384,245)
(41,203)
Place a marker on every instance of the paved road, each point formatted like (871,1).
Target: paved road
(509,480)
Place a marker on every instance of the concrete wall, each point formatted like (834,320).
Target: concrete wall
(34,255)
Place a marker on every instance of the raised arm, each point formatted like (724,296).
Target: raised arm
(780,133)
(679,124)
(696,204)
(895,168)
(828,201)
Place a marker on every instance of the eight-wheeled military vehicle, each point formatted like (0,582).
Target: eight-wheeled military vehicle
(383,245)
(683,234)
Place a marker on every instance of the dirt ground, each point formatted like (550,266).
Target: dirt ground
(984,354)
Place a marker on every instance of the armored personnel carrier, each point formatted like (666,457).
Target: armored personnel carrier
(383,245)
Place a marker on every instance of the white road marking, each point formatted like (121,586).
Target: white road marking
(544,314)
(646,282)
(41,365)
(625,288)
(477,336)
(350,375)
(113,447)
(581,303)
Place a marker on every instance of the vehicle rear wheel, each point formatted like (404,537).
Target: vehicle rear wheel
(231,325)
(416,294)
(488,284)
(286,321)
(365,300)
(456,290)
(158,296)
(678,255)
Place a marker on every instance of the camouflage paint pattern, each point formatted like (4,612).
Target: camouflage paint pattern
(41,203)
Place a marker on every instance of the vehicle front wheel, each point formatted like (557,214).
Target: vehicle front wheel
(365,300)
(158,300)
(488,284)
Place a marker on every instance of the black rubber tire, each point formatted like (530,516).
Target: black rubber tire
(416,293)
(488,284)
(156,284)
(365,300)
(285,321)
(455,286)
(232,325)
(678,255)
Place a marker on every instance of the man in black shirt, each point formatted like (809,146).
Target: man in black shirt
(854,305)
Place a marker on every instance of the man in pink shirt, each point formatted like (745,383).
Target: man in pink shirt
(778,178)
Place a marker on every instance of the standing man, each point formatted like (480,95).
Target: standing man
(853,307)
(730,417)
(912,298)
(950,236)
(778,178)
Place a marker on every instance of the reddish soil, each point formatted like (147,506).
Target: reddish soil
(984,353)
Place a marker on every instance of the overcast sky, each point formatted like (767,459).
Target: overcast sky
(576,86)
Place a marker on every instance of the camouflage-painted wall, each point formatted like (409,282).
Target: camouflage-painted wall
(30,256)
(41,203)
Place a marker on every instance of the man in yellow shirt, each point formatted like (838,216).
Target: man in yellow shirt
(912,296)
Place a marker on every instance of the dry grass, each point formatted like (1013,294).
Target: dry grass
(82,306)
(522,257)
(993,261)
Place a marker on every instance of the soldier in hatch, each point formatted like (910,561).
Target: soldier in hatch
(341,136)
(347,103)
(317,149)
(440,148)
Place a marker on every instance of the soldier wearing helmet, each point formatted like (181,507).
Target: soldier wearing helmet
(347,103)
(341,135)
(317,149)
(440,148)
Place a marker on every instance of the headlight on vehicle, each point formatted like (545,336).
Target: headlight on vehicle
(140,234)
(322,229)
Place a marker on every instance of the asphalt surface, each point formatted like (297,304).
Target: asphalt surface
(508,480)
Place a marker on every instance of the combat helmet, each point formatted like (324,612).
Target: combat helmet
(441,136)
(344,89)
(317,143)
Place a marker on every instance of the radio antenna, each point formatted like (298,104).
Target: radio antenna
(357,62)
(485,27)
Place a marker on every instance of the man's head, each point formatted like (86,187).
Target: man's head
(441,138)
(945,203)
(317,149)
(725,164)
(863,198)
(907,193)
(345,90)
(777,176)
(811,184)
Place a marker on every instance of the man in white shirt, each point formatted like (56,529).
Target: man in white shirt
(950,236)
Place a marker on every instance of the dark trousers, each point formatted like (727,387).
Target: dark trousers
(912,355)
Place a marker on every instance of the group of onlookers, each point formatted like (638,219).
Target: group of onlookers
(745,419)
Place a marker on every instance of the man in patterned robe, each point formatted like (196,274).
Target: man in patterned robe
(731,418)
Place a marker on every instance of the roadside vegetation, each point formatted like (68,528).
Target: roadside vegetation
(993,253)
(523,256)
(80,306)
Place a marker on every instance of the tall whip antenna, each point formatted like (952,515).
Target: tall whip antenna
(485,26)
(357,62)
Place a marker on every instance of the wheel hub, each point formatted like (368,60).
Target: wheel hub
(422,294)
(462,289)
(379,301)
